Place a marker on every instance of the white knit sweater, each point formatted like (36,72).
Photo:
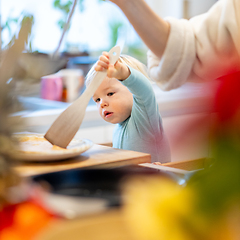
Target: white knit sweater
(200,49)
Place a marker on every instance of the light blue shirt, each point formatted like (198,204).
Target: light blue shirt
(143,130)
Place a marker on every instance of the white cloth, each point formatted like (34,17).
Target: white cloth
(200,49)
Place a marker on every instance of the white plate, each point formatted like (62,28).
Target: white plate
(34,147)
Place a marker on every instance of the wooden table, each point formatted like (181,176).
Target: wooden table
(96,156)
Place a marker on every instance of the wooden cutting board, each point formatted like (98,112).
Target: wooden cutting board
(96,156)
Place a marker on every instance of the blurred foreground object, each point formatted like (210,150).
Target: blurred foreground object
(20,217)
(207,206)
(8,105)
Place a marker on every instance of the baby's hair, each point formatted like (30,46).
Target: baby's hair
(128,60)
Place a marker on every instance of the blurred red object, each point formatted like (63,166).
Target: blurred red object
(23,221)
(227,99)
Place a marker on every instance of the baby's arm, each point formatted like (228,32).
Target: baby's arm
(119,71)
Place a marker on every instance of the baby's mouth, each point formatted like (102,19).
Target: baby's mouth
(108,114)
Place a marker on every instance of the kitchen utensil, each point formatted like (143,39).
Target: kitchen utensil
(62,131)
(36,65)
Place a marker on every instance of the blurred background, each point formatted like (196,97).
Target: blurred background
(95,26)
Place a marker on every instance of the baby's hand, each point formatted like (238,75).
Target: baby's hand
(118,70)
(103,62)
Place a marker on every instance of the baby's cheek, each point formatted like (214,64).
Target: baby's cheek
(100,111)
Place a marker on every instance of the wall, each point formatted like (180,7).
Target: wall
(175,8)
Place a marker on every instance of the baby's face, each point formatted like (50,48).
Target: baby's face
(114,101)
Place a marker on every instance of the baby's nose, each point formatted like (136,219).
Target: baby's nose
(103,103)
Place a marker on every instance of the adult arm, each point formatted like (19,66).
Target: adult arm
(203,48)
(152,29)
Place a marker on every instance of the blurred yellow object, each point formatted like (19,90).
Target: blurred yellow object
(158,208)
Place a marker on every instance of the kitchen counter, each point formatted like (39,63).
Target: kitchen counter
(190,98)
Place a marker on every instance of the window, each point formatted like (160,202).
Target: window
(93,29)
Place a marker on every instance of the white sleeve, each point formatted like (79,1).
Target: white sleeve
(179,54)
(203,48)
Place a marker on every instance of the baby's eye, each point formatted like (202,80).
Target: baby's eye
(97,100)
(110,94)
